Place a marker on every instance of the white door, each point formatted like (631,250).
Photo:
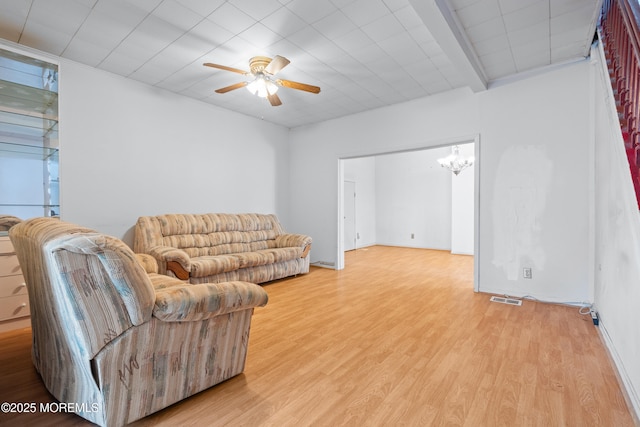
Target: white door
(349,215)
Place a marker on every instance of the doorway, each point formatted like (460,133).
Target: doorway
(407,232)
(349,217)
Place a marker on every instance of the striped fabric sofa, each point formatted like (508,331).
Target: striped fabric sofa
(218,247)
(116,340)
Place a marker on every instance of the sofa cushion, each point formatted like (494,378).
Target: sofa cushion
(209,265)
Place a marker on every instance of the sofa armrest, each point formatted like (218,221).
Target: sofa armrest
(172,259)
(295,240)
(206,300)
(148,262)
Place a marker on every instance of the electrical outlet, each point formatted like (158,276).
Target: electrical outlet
(413,236)
(526,273)
(357,235)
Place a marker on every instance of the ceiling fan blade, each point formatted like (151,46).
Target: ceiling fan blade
(276,64)
(299,86)
(224,67)
(232,87)
(274,100)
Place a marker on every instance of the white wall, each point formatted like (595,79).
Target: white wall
(533,192)
(462,206)
(128,149)
(540,122)
(617,240)
(315,151)
(413,197)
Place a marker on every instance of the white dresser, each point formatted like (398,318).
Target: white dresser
(14,301)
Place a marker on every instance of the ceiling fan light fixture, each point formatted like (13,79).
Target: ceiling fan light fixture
(262,86)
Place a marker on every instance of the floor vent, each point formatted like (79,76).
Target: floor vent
(509,301)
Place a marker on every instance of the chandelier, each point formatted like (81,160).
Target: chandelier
(454,162)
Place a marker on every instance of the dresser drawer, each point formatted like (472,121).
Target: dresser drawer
(15,306)
(8,260)
(12,285)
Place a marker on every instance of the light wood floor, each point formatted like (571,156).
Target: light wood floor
(397,338)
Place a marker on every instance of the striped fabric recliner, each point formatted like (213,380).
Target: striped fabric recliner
(117,340)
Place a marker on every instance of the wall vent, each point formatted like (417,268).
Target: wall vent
(509,301)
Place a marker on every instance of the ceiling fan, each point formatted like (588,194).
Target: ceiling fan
(263,82)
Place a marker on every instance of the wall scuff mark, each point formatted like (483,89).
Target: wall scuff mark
(522,183)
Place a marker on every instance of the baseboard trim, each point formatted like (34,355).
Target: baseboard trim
(628,390)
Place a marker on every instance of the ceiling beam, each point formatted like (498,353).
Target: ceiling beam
(447,32)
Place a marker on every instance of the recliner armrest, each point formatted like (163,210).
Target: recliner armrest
(206,300)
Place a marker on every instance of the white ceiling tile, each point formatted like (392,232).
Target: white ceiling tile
(568,50)
(362,12)
(408,17)
(259,35)
(577,7)
(527,17)
(145,5)
(103,31)
(460,4)
(483,47)
(421,35)
(311,11)
(237,48)
(234,53)
(152,35)
(128,15)
(257,9)
(326,51)
(509,6)
(44,38)
(383,28)
(410,51)
(284,47)
(335,25)
(431,48)
(284,22)
(202,7)
(150,73)
(120,63)
(497,71)
(574,37)
(64,16)
(12,26)
(479,12)
(231,18)
(486,30)
(353,41)
(210,33)
(177,15)
(525,35)
(531,56)
(452,76)
(568,21)
(86,52)
(369,53)
(500,57)
(307,38)
(395,5)
(330,44)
